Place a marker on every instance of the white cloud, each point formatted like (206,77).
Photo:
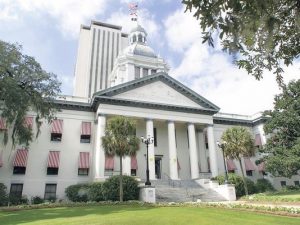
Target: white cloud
(212,74)
(69,13)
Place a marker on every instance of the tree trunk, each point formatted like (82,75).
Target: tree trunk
(121,179)
(243,176)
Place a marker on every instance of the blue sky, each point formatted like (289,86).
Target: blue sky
(49,31)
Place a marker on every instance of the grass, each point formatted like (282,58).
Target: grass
(281,196)
(134,214)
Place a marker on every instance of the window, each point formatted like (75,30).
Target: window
(296,182)
(283,183)
(16,190)
(153,71)
(231,171)
(133,172)
(19,170)
(85,138)
(83,172)
(50,191)
(249,173)
(145,72)
(52,171)
(140,38)
(134,38)
(137,72)
(56,137)
(155,137)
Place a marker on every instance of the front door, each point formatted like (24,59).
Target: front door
(157,167)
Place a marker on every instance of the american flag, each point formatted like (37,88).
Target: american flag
(133,10)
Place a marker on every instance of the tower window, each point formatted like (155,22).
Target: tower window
(140,38)
(134,38)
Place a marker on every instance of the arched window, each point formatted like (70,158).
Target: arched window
(140,38)
(134,38)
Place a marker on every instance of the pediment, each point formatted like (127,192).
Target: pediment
(159,93)
(156,91)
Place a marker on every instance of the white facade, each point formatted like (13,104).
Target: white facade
(185,125)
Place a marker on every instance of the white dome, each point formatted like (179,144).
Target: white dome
(140,49)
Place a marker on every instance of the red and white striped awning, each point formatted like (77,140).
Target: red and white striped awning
(21,158)
(84,160)
(249,166)
(2,124)
(53,159)
(86,128)
(109,162)
(1,158)
(134,165)
(57,127)
(261,167)
(257,140)
(230,165)
(28,122)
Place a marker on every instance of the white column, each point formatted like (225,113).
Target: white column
(193,151)
(172,151)
(99,151)
(212,151)
(151,155)
(126,165)
(202,152)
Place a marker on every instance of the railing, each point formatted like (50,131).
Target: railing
(171,183)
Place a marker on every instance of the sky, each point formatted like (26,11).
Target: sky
(49,30)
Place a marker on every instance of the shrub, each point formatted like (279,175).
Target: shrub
(237,181)
(77,192)
(3,195)
(291,188)
(264,185)
(111,188)
(17,200)
(95,193)
(37,200)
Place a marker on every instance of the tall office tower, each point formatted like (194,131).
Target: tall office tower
(99,46)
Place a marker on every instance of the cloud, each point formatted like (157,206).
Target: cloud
(211,73)
(68,13)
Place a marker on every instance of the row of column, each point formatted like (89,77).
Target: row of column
(173,165)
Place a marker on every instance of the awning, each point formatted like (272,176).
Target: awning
(261,167)
(1,159)
(28,122)
(249,166)
(57,127)
(2,124)
(134,165)
(21,158)
(53,159)
(86,128)
(257,140)
(84,160)
(109,162)
(230,165)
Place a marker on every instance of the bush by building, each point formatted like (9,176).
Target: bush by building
(95,193)
(3,195)
(37,200)
(78,192)
(264,185)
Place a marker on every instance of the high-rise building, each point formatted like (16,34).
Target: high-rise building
(99,45)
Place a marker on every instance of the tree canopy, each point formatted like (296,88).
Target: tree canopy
(120,140)
(263,35)
(24,86)
(283,128)
(238,143)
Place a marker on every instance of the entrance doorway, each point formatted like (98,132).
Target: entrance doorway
(158,169)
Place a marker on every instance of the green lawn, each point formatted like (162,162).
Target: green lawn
(141,215)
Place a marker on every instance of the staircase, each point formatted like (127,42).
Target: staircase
(183,191)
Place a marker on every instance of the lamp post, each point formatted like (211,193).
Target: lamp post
(222,146)
(147,142)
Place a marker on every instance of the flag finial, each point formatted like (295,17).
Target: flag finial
(133,7)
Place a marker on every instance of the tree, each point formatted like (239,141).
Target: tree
(120,140)
(239,143)
(265,34)
(283,127)
(24,86)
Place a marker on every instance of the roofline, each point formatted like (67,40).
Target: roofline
(94,22)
